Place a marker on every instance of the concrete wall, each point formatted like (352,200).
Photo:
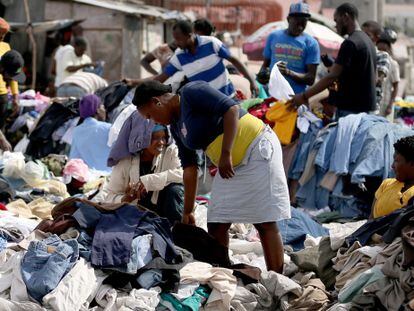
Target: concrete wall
(115,37)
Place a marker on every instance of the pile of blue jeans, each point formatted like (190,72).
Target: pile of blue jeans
(356,147)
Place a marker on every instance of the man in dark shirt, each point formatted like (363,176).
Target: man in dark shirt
(354,68)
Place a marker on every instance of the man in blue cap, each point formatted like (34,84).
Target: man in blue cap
(296,53)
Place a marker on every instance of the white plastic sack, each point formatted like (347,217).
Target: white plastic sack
(279,87)
(13,164)
(33,172)
(22,144)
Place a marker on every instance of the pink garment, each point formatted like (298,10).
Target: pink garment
(43,98)
(77,169)
(42,102)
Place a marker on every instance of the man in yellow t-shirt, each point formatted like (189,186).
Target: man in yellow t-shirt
(394,193)
(5,47)
(11,64)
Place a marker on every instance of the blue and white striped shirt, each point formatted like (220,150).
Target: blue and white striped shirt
(205,65)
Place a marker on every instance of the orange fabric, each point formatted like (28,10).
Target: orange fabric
(285,121)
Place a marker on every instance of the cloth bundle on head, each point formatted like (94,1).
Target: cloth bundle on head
(88,106)
(134,136)
(4,26)
(77,169)
(159,127)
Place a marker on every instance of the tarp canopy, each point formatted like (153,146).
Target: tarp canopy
(137,9)
(329,40)
(39,27)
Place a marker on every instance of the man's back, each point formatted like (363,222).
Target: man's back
(89,81)
(205,65)
(356,85)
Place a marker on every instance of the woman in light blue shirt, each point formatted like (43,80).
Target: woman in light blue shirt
(90,138)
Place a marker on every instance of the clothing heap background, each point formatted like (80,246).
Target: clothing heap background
(67,253)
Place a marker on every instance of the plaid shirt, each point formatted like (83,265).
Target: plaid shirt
(383,67)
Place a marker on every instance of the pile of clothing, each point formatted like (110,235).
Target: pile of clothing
(59,118)
(90,256)
(30,189)
(284,122)
(342,165)
(403,112)
(109,257)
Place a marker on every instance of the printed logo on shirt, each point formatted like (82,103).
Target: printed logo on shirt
(287,51)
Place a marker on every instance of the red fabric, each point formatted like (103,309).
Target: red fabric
(3,207)
(212,170)
(259,111)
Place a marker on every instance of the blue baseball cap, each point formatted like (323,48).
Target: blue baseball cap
(299,9)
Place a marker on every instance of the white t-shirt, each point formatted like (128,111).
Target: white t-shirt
(58,59)
(66,59)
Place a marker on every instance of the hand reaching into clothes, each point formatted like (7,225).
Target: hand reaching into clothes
(141,190)
(388,111)
(131,194)
(254,89)
(4,143)
(188,219)
(296,101)
(226,166)
(134,191)
(131,82)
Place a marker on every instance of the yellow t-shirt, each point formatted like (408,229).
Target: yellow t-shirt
(4,48)
(285,121)
(389,197)
(248,129)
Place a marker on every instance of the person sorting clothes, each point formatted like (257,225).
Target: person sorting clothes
(152,176)
(394,193)
(251,185)
(90,138)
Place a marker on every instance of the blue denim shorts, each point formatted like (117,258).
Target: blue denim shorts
(46,263)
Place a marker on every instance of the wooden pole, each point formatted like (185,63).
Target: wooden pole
(29,31)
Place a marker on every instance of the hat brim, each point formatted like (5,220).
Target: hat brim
(20,78)
(307,15)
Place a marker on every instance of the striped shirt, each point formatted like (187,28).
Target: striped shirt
(205,65)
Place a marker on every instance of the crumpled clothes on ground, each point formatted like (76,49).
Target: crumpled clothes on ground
(39,208)
(221,280)
(338,232)
(251,297)
(317,259)
(280,287)
(314,297)
(77,169)
(244,247)
(137,299)
(353,261)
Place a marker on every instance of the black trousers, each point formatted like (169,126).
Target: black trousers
(4,100)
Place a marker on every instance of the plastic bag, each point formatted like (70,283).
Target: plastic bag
(13,164)
(279,87)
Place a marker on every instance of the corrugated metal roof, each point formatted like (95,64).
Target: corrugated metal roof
(39,27)
(136,9)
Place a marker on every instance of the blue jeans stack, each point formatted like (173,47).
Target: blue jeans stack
(46,263)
